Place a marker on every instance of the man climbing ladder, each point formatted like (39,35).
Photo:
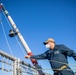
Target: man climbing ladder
(57,56)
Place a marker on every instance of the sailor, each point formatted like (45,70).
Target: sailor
(57,56)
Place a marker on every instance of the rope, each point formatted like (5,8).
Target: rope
(3,67)
(7,66)
(6,39)
(5,34)
(62,63)
(6,63)
(7,20)
(15,38)
(20,45)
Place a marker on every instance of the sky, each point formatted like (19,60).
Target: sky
(38,20)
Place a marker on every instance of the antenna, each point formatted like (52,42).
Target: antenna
(17,32)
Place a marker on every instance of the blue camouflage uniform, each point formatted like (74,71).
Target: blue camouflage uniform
(57,58)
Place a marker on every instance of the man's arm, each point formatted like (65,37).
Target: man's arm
(40,56)
(65,50)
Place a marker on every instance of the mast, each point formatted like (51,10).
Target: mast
(17,32)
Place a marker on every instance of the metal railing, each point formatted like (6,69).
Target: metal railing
(10,65)
(15,66)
